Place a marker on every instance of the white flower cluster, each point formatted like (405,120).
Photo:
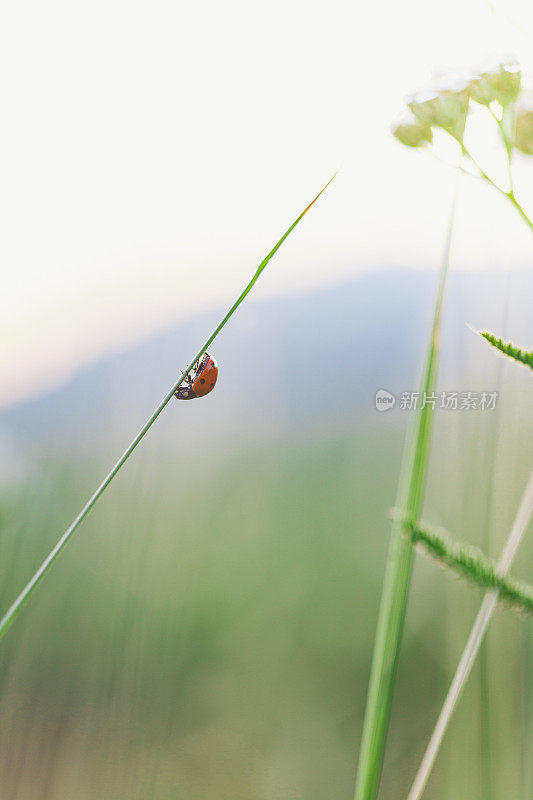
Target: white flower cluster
(445,104)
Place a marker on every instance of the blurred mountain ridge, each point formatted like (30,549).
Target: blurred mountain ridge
(286,364)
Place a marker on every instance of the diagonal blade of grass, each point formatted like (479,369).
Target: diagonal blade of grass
(10,614)
(521,522)
(399,562)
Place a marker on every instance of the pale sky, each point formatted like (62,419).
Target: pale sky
(153,152)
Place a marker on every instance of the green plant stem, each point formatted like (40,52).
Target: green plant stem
(11,613)
(507,117)
(508,194)
(399,563)
(489,772)
(527,711)
(519,208)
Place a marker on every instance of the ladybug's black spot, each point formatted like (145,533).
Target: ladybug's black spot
(202,380)
(212,384)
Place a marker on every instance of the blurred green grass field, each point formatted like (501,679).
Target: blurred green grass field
(208,635)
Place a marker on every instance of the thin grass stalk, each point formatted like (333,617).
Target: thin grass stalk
(521,522)
(527,711)
(487,770)
(489,774)
(11,613)
(400,557)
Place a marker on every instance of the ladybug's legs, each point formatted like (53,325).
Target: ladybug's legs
(187,382)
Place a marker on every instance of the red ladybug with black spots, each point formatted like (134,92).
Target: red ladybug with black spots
(200,380)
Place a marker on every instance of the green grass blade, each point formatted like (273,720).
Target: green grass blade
(11,613)
(399,562)
(509,349)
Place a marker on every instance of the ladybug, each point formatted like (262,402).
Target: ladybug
(200,380)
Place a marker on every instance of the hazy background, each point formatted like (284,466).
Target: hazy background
(153,153)
(209,631)
(208,634)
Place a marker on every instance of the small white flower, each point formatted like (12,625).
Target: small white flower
(412,132)
(524,124)
(496,80)
(443,104)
